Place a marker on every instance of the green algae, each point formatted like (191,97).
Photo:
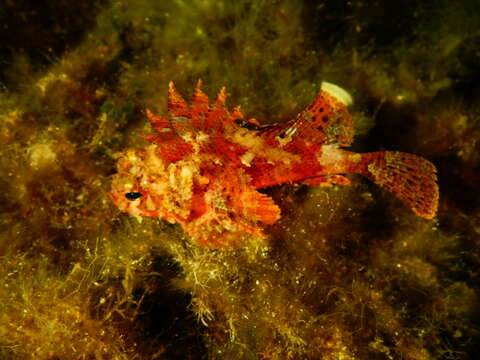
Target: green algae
(347,273)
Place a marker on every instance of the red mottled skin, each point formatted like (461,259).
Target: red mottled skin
(205,164)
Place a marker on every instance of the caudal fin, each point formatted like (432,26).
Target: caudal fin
(411,178)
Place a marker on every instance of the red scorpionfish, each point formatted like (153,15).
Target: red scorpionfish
(205,164)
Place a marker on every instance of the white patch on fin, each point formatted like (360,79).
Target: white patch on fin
(337,92)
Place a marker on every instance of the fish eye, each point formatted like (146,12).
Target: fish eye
(133,195)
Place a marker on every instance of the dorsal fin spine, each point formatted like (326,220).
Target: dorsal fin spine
(200,107)
(176,103)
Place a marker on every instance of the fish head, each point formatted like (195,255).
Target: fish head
(129,190)
(145,186)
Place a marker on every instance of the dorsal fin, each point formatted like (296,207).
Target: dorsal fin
(328,116)
(221,97)
(176,103)
(325,121)
(161,126)
(200,115)
(218,115)
(200,107)
(180,110)
(199,97)
(237,113)
(337,92)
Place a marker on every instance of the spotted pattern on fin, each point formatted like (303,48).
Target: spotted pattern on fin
(325,121)
(410,177)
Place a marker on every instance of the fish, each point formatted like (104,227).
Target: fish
(204,165)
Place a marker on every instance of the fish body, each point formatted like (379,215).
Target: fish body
(205,164)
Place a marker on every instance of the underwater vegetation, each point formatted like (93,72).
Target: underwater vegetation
(345,273)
